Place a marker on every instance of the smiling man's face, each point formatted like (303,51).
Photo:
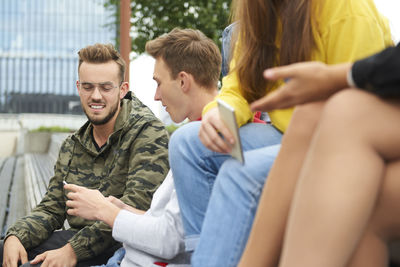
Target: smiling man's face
(99,91)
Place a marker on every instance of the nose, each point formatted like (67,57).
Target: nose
(96,93)
(157,95)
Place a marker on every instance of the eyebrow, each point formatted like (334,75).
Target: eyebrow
(108,82)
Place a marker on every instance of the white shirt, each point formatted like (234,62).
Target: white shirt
(156,235)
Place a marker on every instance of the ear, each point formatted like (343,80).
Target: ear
(124,88)
(185,80)
(77,87)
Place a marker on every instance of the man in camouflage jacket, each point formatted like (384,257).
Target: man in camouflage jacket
(121,151)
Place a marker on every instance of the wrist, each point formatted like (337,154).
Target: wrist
(339,74)
(107,213)
(13,239)
(10,237)
(71,252)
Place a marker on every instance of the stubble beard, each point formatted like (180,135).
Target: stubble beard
(104,120)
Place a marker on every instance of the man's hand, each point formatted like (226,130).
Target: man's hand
(62,257)
(211,126)
(84,202)
(13,252)
(90,204)
(306,82)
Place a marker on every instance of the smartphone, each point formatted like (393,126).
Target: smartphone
(227,114)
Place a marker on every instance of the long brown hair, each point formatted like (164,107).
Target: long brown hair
(258,30)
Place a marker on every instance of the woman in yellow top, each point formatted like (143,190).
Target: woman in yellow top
(345,208)
(218,197)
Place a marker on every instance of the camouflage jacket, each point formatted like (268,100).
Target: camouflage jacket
(130,166)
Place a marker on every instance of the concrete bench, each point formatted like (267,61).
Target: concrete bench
(17,203)
(39,168)
(24,180)
(11,191)
(38,171)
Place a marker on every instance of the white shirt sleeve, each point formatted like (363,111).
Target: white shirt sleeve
(159,231)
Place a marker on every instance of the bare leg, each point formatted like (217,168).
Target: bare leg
(264,244)
(340,179)
(384,224)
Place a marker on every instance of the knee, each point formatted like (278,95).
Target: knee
(249,177)
(305,119)
(230,168)
(233,181)
(347,107)
(184,136)
(232,177)
(385,220)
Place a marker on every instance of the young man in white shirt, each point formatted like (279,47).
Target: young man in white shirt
(187,70)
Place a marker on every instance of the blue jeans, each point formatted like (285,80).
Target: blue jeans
(223,212)
(115,260)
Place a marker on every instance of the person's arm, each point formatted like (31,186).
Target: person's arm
(64,255)
(230,93)
(315,81)
(306,82)
(212,124)
(13,252)
(148,165)
(90,204)
(157,233)
(160,235)
(380,73)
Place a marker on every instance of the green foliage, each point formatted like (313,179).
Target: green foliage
(151,18)
(171,128)
(113,5)
(53,129)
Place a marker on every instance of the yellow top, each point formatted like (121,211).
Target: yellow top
(344,31)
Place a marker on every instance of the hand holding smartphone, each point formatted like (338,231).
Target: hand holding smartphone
(227,114)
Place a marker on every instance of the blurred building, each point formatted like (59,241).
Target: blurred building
(39,41)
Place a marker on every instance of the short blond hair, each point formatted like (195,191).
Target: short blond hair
(190,51)
(102,53)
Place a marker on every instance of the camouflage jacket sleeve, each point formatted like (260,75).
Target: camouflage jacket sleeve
(49,215)
(148,166)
